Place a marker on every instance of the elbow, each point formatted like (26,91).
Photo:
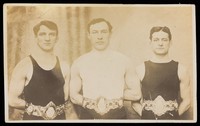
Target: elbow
(188,103)
(11,102)
(132,95)
(137,97)
(72,99)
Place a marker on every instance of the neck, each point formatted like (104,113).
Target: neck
(160,58)
(43,54)
(101,52)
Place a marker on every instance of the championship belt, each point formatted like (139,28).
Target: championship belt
(159,106)
(102,105)
(49,112)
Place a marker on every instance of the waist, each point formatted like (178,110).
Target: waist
(48,112)
(103,104)
(160,107)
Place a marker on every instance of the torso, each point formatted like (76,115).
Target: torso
(160,86)
(103,75)
(160,79)
(43,85)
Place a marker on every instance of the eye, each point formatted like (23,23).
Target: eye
(94,32)
(52,34)
(165,39)
(104,31)
(42,33)
(155,39)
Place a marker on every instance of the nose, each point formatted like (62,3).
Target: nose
(160,43)
(100,36)
(47,38)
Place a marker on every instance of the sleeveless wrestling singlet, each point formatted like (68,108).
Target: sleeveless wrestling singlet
(44,86)
(161,79)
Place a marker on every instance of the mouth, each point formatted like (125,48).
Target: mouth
(47,44)
(100,42)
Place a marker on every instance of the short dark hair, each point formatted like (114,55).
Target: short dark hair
(97,20)
(51,25)
(159,28)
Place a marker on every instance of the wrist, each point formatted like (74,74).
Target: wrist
(83,103)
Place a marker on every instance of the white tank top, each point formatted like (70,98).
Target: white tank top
(103,75)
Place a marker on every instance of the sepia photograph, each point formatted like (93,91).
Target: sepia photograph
(130,63)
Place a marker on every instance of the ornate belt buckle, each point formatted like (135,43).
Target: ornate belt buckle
(50,111)
(102,106)
(30,108)
(159,106)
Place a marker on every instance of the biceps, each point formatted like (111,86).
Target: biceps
(133,82)
(185,89)
(75,84)
(16,87)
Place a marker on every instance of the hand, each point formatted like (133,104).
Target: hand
(101,106)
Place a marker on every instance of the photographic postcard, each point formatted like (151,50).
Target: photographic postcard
(131,25)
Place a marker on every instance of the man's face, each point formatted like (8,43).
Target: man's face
(46,38)
(160,43)
(99,36)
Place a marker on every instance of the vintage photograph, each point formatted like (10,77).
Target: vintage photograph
(100,63)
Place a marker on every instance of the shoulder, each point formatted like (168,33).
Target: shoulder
(182,71)
(23,67)
(140,67)
(121,57)
(24,63)
(140,70)
(119,54)
(81,59)
(65,67)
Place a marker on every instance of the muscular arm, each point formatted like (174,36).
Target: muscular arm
(132,91)
(184,89)
(69,112)
(66,75)
(137,106)
(17,83)
(75,85)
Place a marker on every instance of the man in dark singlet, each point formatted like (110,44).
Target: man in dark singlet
(41,78)
(164,82)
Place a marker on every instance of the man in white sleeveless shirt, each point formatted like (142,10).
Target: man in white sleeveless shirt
(102,78)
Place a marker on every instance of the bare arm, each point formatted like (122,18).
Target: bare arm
(133,90)
(184,89)
(18,80)
(66,75)
(137,106)
(75,85)
(69,112)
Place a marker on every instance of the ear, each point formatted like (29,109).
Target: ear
(150,41)
(170,43)
(57,38)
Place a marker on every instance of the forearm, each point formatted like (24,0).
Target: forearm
(131,95)
(77,99)
(137,107)
(17,103)
(184,106)
(70,111)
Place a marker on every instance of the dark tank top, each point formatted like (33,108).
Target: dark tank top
(161,79)
(44,86)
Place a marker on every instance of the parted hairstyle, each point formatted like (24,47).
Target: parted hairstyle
(98,20)
(51,25)
(159,28)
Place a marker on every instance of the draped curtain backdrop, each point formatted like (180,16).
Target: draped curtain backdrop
(72,42)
